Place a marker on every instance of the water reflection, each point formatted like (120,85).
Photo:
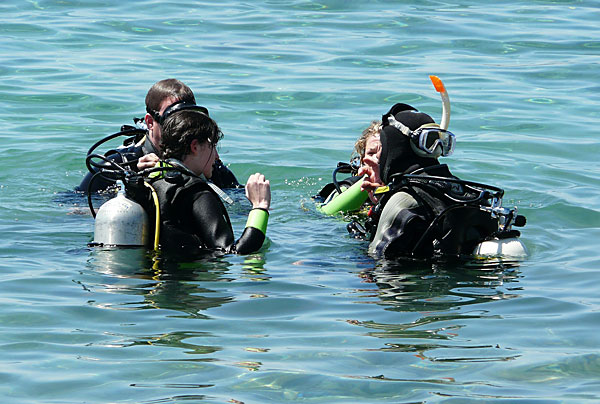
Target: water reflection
(168,282)
(439,301)
(413,286)
(118,277)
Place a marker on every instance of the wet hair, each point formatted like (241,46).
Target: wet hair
(361,143)
(168,88)
(397,154)
(182,127)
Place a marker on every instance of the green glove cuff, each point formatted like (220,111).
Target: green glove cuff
(349,200)
(258,219)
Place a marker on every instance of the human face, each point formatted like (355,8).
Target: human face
(154,128)
(372,151)
(201,158)
(370,165)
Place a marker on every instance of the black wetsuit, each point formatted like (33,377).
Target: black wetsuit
(221,177)
(193,218)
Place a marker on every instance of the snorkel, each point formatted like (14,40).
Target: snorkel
(440,88)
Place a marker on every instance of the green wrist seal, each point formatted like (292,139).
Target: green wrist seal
(349,200)
(258,219)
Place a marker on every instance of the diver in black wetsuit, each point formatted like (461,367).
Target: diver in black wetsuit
(426,211)
(420,209)
(193,218)
(145,144)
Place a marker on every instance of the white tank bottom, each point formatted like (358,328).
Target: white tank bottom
(502,248)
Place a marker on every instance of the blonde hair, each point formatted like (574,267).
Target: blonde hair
(359,147)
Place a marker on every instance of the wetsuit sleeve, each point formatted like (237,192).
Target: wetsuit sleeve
(251,241)
(349,200)
(399,228)
(254,234)
(213,227)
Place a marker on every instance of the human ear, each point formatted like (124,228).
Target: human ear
(149,121)
(194,146)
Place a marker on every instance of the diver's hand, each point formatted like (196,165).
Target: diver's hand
(258,191)
(372,181)
(147,161)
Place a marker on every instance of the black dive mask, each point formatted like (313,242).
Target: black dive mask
(180,106)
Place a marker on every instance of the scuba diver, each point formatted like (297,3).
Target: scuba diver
(177,197)
(142,147)
(424,211)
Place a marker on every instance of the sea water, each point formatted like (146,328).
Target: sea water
(311,317)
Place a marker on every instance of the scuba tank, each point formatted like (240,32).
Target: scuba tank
(506,242)
(507,248)
(121,222)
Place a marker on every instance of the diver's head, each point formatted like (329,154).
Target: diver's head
(162,95)
(168,89)
(191,136)
(400,151)
(361,145)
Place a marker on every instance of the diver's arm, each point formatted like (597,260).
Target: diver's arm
(212,226)
(398,226)
(258,192)
(210,222)
(349,200)
(255,232)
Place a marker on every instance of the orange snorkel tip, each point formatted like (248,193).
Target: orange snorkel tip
(437,83)
(440,88)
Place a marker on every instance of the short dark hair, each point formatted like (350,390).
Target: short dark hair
(182,127)
(167,88)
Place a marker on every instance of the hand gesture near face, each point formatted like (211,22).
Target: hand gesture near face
(370,167)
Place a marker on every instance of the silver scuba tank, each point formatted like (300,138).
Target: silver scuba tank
(507,248)
(121,222)
(510,248)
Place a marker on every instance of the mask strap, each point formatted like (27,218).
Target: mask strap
(398,125)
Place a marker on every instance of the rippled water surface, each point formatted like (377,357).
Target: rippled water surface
(311,318)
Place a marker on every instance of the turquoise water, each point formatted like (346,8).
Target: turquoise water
(311,318)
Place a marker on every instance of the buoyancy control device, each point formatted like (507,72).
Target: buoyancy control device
(453,218)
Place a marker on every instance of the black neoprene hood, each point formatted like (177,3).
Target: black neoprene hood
(397,155)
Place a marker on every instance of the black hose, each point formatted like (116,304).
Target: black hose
(89,194)
(335,181)
(453,180)
(114,135)
(89,163)
(344,168)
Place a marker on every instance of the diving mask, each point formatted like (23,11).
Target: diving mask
(429,140)
(179,106)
